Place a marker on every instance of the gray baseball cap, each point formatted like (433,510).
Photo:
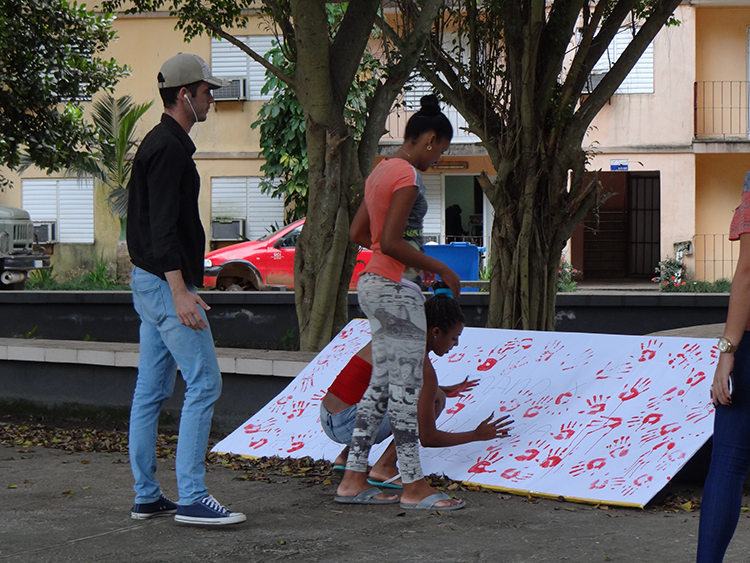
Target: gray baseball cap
(184,69)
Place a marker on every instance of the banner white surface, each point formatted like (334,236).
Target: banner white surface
(598,418)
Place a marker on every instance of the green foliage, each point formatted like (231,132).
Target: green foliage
(98,278)
(41,279)
(671,274)
(51,62)
(565,275)
(115,121)
(281,122)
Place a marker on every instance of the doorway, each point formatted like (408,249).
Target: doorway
(622,240)
(464,210)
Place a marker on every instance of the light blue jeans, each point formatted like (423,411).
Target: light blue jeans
(165,344)
(339,427)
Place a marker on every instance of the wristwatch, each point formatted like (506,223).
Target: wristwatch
(725,346)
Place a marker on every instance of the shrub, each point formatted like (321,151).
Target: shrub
(565,275)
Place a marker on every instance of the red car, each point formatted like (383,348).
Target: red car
(263,263)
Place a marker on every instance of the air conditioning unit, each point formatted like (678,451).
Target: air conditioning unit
(224,228)
(45,233)
(593,81)
(235,90)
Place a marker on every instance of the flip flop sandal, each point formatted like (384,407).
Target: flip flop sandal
(388,483)
(366,497)
(339,470)
(428,503)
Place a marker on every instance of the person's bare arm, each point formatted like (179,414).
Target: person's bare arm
(431,437)
(359,232)
(393,244)
(186,303)
(737,318)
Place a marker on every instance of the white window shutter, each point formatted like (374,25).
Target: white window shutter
(76,211)
(640,80)
(228,198)
(433,220)
(39,199)
(240,198)
(262,210)
(256,72)
(68,202)
(227,61)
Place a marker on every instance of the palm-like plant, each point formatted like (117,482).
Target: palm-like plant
(115,119)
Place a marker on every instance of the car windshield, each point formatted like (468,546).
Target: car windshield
(269,235)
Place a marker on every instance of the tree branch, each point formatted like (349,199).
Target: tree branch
(351,41)
(252,54)
(606,88)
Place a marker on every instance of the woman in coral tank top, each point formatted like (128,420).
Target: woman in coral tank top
(389,222)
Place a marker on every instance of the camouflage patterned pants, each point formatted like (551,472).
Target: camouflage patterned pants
(398,326)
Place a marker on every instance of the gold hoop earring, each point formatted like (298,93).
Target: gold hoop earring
(429,147)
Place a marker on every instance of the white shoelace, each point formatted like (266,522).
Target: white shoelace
(214,504)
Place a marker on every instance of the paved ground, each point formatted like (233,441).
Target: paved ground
(60,507)
(75,507)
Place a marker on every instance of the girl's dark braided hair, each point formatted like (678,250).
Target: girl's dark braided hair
(443,311)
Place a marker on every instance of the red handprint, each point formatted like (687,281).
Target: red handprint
(255,444)
(690,353)
(528,455)
(648,350)
(614,371)
(640,386)
(619,448)
(537,407)
(515,475)
(667,396)
(554,458)
(636,484)
(596,404)
(253,428)
(566,431)
(508,406)
(695,378)
(297,409)
(482,464)
(699,412)
(564,398)
(461,404)
(583,466)
(550,350)
(298,442)
(488,364)
(581,360)
(279,404)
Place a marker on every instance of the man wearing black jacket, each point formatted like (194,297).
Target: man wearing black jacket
(166,242)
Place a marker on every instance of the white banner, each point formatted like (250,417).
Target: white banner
(598,418)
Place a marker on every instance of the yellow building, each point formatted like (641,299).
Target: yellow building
(672,145)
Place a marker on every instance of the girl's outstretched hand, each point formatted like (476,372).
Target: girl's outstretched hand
(455,390)
(490,429)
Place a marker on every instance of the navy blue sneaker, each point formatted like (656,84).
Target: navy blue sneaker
(161,507)
(207,511)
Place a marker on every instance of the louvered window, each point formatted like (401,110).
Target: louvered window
(68,202)
(228,61)
(240,198)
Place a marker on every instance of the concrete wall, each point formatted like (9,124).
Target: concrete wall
(664,118)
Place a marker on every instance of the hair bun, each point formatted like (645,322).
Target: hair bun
(430,105)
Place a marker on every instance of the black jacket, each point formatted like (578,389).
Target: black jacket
(164,229)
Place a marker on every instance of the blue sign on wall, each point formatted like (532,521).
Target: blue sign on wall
(618,163)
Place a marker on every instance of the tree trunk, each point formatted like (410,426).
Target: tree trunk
(534,217)
(324,259)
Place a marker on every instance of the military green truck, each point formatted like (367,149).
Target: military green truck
(19,253)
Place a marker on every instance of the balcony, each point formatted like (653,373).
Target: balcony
(721,111)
